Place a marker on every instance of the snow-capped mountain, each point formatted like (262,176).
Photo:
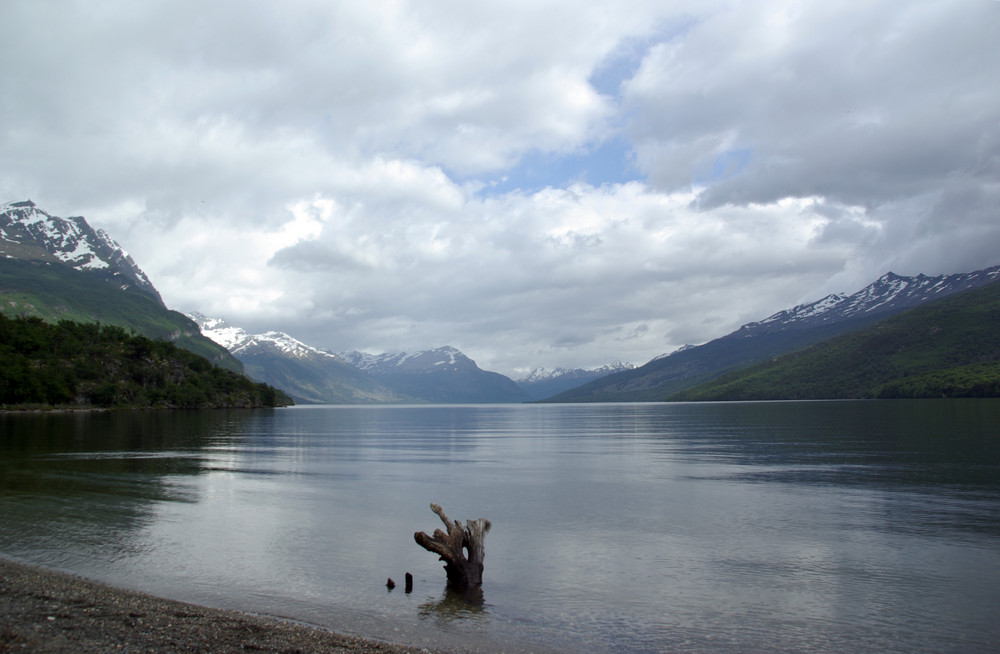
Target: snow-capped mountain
(27,232)
(443,375)
(888,294)
(780,333)
(544,374)
(238,340)
(542,382)
(310,374)
(427,361)
(306,373)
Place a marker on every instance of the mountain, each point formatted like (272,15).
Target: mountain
(543,383)
(781,333)
(62,269)
(889,294)
(944,348)
(28,233)
(306,373)
(443,375)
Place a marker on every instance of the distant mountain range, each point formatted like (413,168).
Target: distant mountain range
(542,383)
(62,269)
(441,375)
(781,333)
(306,373)
(312,375)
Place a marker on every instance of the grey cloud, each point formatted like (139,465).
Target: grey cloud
(860,107)
(309,256)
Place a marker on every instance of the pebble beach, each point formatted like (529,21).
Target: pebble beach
(45,611)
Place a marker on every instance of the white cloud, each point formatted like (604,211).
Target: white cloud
(316,167)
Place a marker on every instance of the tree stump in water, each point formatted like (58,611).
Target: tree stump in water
(461,549)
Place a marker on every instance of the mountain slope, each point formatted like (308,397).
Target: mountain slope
(59,269)
(783,332)
(442,375)
(54,292)
(307,374)
(949,347)
(28,233)
(543,383)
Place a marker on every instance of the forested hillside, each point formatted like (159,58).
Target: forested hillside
(93,365)
(57,292)
(948,348)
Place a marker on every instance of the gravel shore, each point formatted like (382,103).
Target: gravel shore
(43,611)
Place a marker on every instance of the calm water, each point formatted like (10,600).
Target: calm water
(766,527)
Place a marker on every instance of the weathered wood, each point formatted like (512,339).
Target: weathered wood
(461,548)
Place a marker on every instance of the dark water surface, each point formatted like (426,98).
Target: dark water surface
(759,527)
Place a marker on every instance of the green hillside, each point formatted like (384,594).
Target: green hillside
(53,292)
(83,365)
(948,348)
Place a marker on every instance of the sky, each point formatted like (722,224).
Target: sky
(538,184)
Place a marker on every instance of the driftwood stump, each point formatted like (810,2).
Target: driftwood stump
(461,549)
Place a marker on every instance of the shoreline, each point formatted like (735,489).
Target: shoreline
(48,611)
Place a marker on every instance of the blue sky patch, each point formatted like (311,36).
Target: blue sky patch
(611,162)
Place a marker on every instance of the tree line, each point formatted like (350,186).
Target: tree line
(97,365)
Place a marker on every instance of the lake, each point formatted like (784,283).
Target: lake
(728,527)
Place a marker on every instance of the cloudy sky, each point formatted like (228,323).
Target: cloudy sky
(544,183)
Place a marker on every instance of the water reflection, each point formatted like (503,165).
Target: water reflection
(90,481)
(748,527)
(455,605)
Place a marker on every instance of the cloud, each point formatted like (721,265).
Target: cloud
(547,270)
(859,106)
(546,183)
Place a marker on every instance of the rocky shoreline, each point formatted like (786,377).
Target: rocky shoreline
(44,611)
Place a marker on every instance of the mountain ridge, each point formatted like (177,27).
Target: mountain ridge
(782,332)
(888,293)
(946,347)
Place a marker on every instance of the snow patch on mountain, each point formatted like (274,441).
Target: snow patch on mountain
(890,291)
(544,374)
(238,341)
(73,242)
(66,239)
(683,348)
(422,361)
